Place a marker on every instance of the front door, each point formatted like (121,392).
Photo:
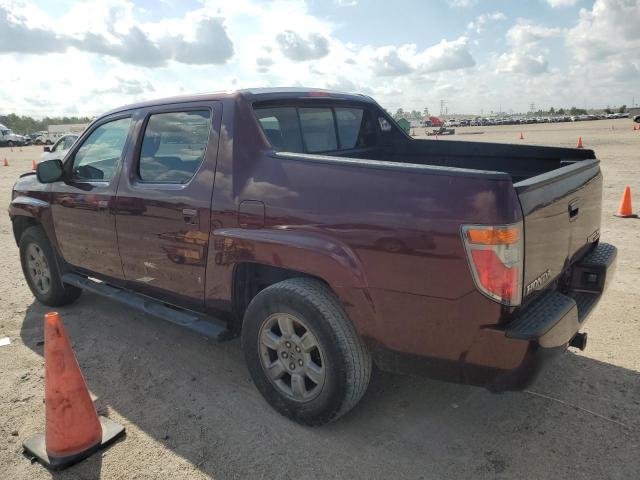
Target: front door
(82,207)
(164,199)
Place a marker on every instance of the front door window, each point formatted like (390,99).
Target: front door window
(98,157)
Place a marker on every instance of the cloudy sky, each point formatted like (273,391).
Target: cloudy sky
(84,57)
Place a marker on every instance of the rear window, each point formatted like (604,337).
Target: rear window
(174,146)
(317,129)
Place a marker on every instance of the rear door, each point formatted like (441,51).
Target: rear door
(164,199)
(562,210)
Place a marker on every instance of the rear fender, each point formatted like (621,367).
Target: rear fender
(308,252)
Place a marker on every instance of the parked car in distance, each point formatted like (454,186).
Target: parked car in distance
(10,139)
(37,137)
(636,119)
(309,224)
(47,138)
(60,148)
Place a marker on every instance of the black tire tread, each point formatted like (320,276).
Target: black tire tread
(62,294)
(358,359)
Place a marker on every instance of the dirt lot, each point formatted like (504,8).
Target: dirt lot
(191,410)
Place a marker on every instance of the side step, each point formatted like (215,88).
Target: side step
(207,326)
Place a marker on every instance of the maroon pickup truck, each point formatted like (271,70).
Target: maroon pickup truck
(309,224)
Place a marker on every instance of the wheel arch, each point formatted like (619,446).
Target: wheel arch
(259,258)
(25,212)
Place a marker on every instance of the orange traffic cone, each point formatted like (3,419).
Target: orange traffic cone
(33,165)
(5,163)
(73,429)
(579,143)
(625,210)
(521,136)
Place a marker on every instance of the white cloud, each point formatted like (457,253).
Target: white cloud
(134,44)
(120,56)
(462,3)
(297,48)
(387,62)
(447,55)
(478,24)
(562,3)
(605,45)
(527,35)
(522,62)
(526,55)
(610,30)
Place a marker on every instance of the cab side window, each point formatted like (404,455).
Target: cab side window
(174,146)
(317,129)
(98,157)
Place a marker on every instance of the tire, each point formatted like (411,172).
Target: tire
(39,262)
(324,394)
(10,143)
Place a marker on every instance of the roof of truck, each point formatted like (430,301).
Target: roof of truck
(251,94)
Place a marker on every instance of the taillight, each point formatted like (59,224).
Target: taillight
(495,257)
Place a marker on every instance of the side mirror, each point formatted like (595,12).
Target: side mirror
(47,149)
(50,171)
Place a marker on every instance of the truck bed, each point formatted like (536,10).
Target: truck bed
(521,162)
(559,191)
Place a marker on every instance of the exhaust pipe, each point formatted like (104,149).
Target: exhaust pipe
(579,341)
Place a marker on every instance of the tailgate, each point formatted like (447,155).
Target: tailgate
(561,210)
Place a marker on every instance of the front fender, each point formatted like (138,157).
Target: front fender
(26,211)
(23,206)
(308,252)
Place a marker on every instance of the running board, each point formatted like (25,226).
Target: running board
(207,326)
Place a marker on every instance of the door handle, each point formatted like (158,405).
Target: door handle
(190,216)
(574,209)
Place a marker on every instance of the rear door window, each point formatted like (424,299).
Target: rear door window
(281,126)
(348,121)
(317,129)
(173,146)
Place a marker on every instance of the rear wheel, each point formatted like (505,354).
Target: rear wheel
(40,268)
(303,353)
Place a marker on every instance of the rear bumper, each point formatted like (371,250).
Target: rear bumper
(553,320)
(510,357)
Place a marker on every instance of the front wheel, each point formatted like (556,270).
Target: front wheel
(303,353)
(10,143)
(40,268)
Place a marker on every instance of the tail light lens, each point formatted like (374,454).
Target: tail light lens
(495,257)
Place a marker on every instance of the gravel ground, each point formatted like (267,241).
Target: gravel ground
(191,411)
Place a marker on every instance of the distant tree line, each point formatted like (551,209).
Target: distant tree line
(22,124)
